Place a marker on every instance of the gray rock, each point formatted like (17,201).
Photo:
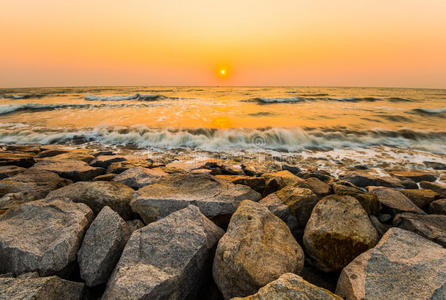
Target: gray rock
(432,227)
(24,160)
(135,225)
(403,266)
(98,194)
(104,161)
(438,207)
(439,188)
(291,286)
(338,230)
(75,170)
(167,259)
(102,246)
(364,178)
(138,177)
(395,202)
(8,171)
(40,288)
(256,249)
(42,236)
(213,196)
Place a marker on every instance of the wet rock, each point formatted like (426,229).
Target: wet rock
(98,194)
(254,235)
(32,182)
(75,154)
(291,286)
(8,171)
(368,201)
(42,236)
(121,166)
(338,230)
(135,225)
(439,188)
(438,207)
(104,161)
(52,152)
(256,183)
(364,178)
(322,175)
(403,265)
(167,259)
(75,170)
(213,196)
(435,165)
(102,246)
(24,160)
(292,204)
(293,169)
(395,202)
(432,227)
(40,288)
(278,180)
(416,176)
(23,148)
(105,177)
(319,187)
(140,177)
(420,197)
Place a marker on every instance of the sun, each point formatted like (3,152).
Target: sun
(222,72)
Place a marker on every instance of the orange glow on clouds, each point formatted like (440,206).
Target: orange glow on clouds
(138,42)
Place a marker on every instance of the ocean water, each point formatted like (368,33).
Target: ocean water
(285,120)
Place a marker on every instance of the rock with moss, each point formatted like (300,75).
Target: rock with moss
(338,230)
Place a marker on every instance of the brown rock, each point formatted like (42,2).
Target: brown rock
(319,187)
(438,207)
(8,171)
(420,197)
(75,170)
(439,188)
(121,166)
(416,176)
(256,183)
(278,180)
(368,201)
(24,160)
(395,202)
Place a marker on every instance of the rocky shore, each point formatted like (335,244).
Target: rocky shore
(78,223)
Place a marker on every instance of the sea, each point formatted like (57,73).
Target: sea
(339,124)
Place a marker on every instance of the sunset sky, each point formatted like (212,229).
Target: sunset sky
(399,43)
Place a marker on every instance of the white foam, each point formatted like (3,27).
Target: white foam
(111,98)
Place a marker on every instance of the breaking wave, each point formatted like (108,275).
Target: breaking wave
(124,98)
(276,139)
(309,99)
(440,112)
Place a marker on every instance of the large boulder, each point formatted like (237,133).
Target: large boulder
(292,204)
(75,154)
(368,201)
(403,266)
(432,227)
(420,197)
(75,170)
(97,194)
(167,259)
(138,177)
(24,160)
(36,183)
(102,246)
(214,197)
(291,286)
(40,288)
(42,236)
(439,188)
(8,171)
(338,230)
(438,207)
(395,202)
(319,187)
(256,183)
(416,176)
(278,180)
(364,178)
(256,249)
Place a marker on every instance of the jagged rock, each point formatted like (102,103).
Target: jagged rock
(121,166)
(104,161)
(105,177)
(292,204)
(364,178)
(42,236)
(139,177)
(167,259)
(403,265)
(278,180)
(368,201)
(40,288)
(8,171)
(438,207)
(439,188)
(135,225)
(432,227)
(319,187)
(102,246)
(214,197)
(24,160)
(420,197)
(338,230)
(32,182)
(98,194)
(395,202)
(256,249)
(256,183)
(75,170)
(291,286)
(416,176)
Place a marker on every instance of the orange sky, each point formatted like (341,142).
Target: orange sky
(278,42)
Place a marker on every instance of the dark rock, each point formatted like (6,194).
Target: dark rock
(364,179)
(420,197)
(104,161)
(135,225)
(8,171)
(278,180)
(368,201)
(319,187)
(105,177)
(416,176)
(24,160)
(395,202)
(75,170)
(432,227)
(256,183)
(438,207)
(439,188)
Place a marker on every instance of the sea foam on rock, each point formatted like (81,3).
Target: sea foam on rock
(167,259)
(256,249)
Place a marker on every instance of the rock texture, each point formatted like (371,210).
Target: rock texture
(395,202)
(75,170)
(416,176)
(41,288)
(42,236)
(7,171)
(256,249)
(439,188)
(98,194)
(432,227)
(167,259)
(403,266)
(104,161)
(338,231)
(24,160)
(278,180)
(365,178)
(102,246)
(420,197)
(368,201)
(213,196)
(319,187)
(291,286)
(138,177)
(438,207)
